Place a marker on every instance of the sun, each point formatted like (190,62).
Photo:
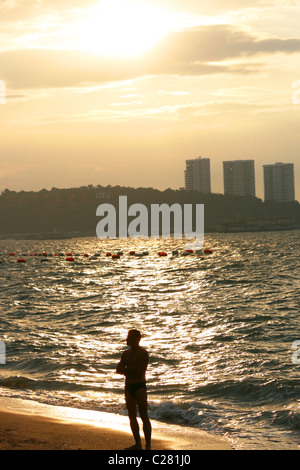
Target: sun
(124,28)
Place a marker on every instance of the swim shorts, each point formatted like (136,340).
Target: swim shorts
(133,388)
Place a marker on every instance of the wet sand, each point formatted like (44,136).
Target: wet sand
(28,425)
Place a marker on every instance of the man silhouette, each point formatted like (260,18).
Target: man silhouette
(133,366)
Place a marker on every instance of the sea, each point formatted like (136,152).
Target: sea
(222,329)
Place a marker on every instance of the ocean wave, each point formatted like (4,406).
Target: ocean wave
(255,391)
(219,329)
(29,383)
(18,382)
(286,419)
(194,414)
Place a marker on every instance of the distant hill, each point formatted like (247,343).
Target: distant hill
(72,211)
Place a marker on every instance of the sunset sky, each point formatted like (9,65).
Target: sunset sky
(122,92)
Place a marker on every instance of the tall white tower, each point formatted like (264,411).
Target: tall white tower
(279,182)
(197,175)
(239,177)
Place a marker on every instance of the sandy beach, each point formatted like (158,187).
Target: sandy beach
(24,432)
(31,426)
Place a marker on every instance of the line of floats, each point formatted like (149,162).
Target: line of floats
(70,257)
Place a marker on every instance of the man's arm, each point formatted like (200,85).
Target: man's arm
(121,367)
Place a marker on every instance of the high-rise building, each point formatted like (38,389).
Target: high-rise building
(197,175)
(279,183)
(239,177)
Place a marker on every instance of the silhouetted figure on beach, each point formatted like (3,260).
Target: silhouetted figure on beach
(133,366)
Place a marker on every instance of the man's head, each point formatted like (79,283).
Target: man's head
(133,337)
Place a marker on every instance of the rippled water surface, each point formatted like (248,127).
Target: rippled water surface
(219,328)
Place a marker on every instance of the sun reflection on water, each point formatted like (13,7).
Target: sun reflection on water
(212,327)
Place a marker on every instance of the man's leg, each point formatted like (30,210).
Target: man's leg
(131,404)
(141,398)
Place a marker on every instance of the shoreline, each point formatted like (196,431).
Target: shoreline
(29,425)
(210,230)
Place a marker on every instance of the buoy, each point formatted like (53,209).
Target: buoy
(70,258)
(21,260)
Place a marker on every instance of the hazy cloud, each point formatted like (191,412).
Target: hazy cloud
(51,69)
(213,6)
(220,42)
(43,68)
(22,10)
(189,52)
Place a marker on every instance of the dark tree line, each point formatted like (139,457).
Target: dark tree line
(74,209)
